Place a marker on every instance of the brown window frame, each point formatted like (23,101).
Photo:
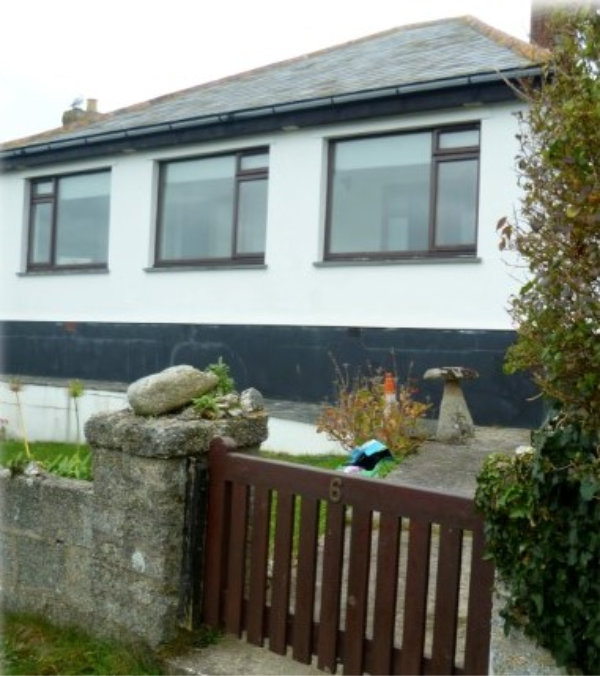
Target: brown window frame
(52,199)
(240,176)
(438,156)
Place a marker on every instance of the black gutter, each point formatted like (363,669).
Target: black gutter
(481,88)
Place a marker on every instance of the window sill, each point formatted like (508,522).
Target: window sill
(63,271)
(207,267)
(446,260)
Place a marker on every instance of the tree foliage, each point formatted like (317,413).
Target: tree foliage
(542,509)
(557,312)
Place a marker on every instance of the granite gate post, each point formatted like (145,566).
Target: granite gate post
(147,517)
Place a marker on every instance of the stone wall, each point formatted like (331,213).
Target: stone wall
(121,555)
(46,546)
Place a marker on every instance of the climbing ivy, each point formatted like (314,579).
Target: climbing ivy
(542,525)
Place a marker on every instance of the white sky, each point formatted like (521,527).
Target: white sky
(126,51)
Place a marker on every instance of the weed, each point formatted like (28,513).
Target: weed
(364,410)
(66,460)
(75,391)
(15,386)
(32,645)
(207,404)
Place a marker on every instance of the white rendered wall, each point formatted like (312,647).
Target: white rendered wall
(291,290)
(49,412)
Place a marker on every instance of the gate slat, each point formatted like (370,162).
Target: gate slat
(386,589)
(446,601)
(415,605)
(280,595)
(480,608)
(306,578)
(234,475)
(257,591)
(217,532)
(358,590)
(333,561)
(236,567)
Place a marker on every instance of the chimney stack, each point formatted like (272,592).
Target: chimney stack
(540,32)
(77,114)
(541,14)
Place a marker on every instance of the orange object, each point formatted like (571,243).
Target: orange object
(389,384)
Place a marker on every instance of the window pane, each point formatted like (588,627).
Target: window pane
(43,188)
(459,139)
(197,209)
(252,217)
(40,244)
(258,161)
(456,215)
(380,194)
(82,219)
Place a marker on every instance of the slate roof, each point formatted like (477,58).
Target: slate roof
(432,53)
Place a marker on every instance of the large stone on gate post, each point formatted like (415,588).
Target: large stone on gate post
(168,390)
(455,423)
(148,516)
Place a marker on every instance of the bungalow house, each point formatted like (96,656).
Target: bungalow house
(336,206)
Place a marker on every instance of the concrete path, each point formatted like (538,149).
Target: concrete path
(453,468)
(445,467)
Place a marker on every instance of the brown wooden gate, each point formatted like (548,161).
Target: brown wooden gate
(368,574)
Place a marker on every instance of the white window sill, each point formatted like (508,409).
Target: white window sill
(445,260)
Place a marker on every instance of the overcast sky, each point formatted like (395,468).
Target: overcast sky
(126,51)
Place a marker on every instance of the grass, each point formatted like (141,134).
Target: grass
(32,645)
(327,461)
(69,460)
(322,461)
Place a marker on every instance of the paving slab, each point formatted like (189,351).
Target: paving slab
(232,656)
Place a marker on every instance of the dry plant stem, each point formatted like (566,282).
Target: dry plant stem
(22,423)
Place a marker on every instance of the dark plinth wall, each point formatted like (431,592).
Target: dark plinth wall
(283,362)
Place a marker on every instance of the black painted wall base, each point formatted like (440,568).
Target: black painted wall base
(283,362)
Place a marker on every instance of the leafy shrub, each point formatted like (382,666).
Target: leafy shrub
(362,413)
(557,311)
(542,513)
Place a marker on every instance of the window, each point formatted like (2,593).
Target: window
(403,195)
(68,221)
(213,209)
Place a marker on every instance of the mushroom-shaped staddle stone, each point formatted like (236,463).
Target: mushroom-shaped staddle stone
(455,422)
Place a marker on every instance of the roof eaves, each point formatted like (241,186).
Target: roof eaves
(306,105)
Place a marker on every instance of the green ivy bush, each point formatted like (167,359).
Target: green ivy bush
(542,524)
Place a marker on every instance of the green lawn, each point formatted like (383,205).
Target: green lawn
(68,460)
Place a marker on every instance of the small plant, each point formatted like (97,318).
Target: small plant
(226,383)
(75,391)
(15,387)
(363,412)
(74,466)
(208,403)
